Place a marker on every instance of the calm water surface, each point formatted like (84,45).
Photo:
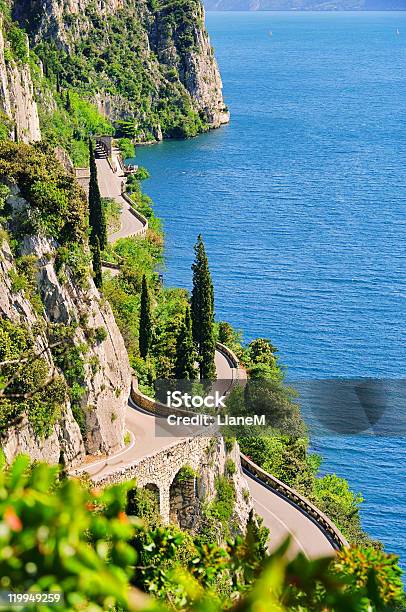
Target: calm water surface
(301,202)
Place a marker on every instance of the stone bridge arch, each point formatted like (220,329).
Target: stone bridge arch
(160,470)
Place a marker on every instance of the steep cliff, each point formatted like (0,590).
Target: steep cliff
(18,108)
(52,316)
(149,63)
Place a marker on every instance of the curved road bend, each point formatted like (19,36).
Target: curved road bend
(280,516)
(110,187)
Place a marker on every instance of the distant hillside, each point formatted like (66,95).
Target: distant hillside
(305,5)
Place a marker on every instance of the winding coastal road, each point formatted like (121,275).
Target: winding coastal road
(280,515)
(110,187)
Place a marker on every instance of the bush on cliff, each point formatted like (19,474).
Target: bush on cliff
(28,386)
(58,206)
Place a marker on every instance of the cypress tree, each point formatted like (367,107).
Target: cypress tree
(97,265)
(185,352)
(68,104)
(145,332)
(97,221)
(203,312)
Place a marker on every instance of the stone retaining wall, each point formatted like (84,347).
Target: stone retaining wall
(136,214)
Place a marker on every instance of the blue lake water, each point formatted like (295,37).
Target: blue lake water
(301,201)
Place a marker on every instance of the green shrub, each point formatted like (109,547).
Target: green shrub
(126,147)
(6,125)
(70,128)
(70,358)
(144,504)
(229,444)
(18,281)
(18,41)
(222,507)
(230,468)
(24,279)
(50,523)
(186,473)
(30,389)
(370,566)
(100,334)
(58,205)
(142,174)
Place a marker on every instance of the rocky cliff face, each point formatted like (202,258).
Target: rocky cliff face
(144,61)
(196,65)
(66,438)
(17,102)
(107,376)
(61,20)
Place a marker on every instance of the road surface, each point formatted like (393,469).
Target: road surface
(110,187)
(280,516)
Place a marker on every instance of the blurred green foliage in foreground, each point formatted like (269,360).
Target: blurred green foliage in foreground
(59,534)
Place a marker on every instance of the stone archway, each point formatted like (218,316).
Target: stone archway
(183,499)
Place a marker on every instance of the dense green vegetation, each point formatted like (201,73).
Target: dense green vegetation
(70,123)
(127,148)
(17,39)
(186,356)
(57,534)
(163,309)
(58,207)
(112,57)
(140,257)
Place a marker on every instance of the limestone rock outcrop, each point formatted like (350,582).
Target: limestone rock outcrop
(169,45)
(66,440)
(17,100)
(197,68)
(107,375)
